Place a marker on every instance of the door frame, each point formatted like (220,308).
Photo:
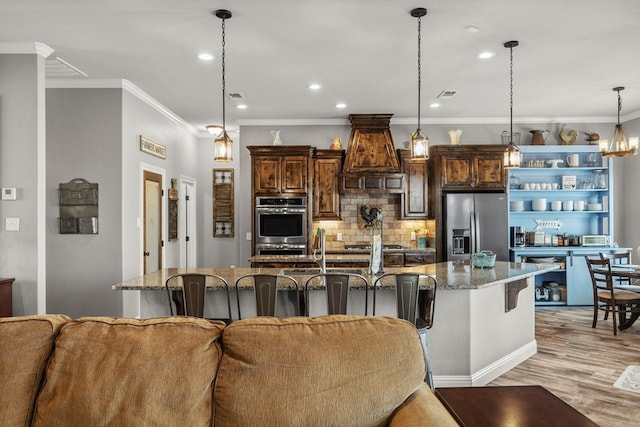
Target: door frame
(182,221)
(145,167)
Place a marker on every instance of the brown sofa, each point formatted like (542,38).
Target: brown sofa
(180,371)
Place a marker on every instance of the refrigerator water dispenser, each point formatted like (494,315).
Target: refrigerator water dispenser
(461,243)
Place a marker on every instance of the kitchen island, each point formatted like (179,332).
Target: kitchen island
(475,337)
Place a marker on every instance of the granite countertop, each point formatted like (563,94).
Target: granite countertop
(457,275)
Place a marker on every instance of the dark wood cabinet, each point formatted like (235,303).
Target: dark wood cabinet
(327,166)
(419,258)
(6,296)
(414,198)
(280,169)
(393,259)
(387,183)
(468,168)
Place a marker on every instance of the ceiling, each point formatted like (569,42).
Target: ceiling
(363,53)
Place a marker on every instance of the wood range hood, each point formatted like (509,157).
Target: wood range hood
(371,163)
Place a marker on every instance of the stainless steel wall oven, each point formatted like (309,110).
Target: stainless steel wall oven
(280,225)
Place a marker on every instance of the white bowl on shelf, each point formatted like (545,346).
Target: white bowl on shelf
(539,204)
(594,207)
(516,205)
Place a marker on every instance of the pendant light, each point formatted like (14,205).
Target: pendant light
(619,146)
(223,149)
(419,141)
(512,153)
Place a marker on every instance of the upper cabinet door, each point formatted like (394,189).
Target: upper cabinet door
(413,201)
(327,166)
(267,174)
(489,170)
(457,170)
(294,178)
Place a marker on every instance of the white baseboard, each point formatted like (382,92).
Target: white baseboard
(489,373)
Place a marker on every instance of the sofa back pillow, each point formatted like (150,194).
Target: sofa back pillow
(333,370)
(131,372)
(26,343)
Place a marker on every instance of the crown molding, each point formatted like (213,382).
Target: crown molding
(125,85)
(26,48)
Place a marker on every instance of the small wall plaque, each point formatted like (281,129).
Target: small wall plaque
(152,147)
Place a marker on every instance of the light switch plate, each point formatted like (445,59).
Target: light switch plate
(12,224)
(339,237)
(8,193)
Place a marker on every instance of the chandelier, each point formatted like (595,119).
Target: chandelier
(223,145)
(419,141)
(619,146)
(512,153)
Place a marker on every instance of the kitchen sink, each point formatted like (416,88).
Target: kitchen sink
(310,271)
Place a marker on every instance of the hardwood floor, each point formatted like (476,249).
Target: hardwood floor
(579,364)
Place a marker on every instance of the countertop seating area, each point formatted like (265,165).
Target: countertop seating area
(185,371)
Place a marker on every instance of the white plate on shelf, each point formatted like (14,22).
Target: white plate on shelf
(541,260)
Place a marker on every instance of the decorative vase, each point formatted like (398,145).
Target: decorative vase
(276,137)
(455,136)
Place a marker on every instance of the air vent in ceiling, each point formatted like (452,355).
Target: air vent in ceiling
(447,94)
(58,68)
(235,96)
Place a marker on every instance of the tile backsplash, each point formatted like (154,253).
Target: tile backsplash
(395,231)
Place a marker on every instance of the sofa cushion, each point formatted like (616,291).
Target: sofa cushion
(25,346)
(333,371)
(128,372)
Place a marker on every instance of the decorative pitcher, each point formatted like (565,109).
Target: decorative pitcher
(276,137)
(538,137)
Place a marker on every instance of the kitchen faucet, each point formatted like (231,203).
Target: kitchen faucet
(322,261)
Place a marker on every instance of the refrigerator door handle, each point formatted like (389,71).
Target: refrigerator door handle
(476,232)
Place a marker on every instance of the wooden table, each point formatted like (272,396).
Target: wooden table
(6,304)
(520,406)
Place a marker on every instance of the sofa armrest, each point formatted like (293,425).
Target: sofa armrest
(422,408)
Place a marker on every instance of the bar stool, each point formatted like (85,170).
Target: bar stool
(415,305)
(265,290)
(190,299)
(337,286)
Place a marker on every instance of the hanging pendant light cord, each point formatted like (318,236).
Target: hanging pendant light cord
(419,70)
(619,105)
(511,95)
(224,128)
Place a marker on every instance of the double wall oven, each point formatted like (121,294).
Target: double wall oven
(280,226)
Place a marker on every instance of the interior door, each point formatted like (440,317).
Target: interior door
(152,255)
(188,248)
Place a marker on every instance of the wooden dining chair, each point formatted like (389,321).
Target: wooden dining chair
(265,291)
(188,290)
(623,305)
(622,258)
(413,304)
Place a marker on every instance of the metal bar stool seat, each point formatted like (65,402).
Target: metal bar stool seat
(337,286)
(265,290)
(190,298)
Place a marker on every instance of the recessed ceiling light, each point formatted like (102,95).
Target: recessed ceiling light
(341,105)
(314,86)
(471,29)
(241,106)
(205,56)
(434,105)
(486,55)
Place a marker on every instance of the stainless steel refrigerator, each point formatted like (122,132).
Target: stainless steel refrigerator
(475,222)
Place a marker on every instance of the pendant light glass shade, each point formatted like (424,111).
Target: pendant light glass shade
(223,148)
(512,153)
(419,141)
(223,145)
(619,146)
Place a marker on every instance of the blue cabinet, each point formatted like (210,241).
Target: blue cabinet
(562,190)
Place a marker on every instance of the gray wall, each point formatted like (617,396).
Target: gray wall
(21,166)
(83,141)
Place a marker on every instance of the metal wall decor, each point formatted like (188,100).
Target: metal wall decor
(78,207)
(173,211)
(223,203)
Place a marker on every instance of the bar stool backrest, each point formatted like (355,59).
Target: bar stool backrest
(193,289)
(337,291)
(265,290)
